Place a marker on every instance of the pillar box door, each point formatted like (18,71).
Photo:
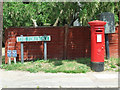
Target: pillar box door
(97,45)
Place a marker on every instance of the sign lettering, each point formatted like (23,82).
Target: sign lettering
(33,38)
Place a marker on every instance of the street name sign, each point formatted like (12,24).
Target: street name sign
(33,38)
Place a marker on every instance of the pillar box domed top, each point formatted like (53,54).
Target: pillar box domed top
(96,23)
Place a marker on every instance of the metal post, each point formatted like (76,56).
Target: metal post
(22,52)
(107,46)
(9,60)
(15,60)
(45,50)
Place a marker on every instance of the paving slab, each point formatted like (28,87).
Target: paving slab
(105,76)
(22,79)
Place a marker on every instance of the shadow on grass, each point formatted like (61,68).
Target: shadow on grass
(86,61)
(56,62)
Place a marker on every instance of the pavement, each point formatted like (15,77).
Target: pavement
(22,79)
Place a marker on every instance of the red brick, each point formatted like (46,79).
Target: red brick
(78,42)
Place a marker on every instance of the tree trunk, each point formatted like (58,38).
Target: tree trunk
(56,22)
(1,29)
(34,23)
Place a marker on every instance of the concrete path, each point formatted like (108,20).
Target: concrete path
(19,79)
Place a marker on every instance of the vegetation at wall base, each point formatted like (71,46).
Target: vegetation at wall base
(81,65)
(3,59)
(111,64)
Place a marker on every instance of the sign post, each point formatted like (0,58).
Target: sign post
(14,53)
(45,48)
(107,46)
(9,54)
(22,51)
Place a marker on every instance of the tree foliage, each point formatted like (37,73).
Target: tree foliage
(46,13)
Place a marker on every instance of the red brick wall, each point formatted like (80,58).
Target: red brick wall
(113,44)
(79,42)
(66,42)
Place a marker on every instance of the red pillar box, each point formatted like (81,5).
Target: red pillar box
(97,45)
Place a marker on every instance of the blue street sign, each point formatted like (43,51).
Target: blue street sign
(14,53)
(9,53)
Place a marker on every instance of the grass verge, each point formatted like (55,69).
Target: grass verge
(81,65)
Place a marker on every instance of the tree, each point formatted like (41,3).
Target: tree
(55,13)
(18,14)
